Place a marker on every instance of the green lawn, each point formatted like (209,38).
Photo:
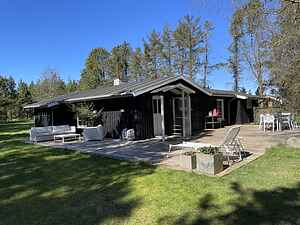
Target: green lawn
(42,186)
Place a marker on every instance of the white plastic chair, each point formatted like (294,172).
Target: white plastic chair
(269,119)
(294,122)
(286,118)
(261,120)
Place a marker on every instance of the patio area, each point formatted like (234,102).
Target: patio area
(155,152)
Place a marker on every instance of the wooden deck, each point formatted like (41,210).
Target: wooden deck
(253,139)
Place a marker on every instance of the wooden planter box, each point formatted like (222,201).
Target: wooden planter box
(209,164)
(188,161)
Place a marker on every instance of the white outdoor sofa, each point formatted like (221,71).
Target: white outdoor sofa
(47,133)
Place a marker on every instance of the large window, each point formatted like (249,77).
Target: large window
(220,107)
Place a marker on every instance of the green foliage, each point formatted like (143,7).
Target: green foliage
(49,85)
(285,60)
(96,71)
(153,55)
(8,96)
(72,86)
(168,52)
(136,65)
(209,150)
(87,113)
(251,35)
(119,61)
(234,61)
(189,39)
(24,97)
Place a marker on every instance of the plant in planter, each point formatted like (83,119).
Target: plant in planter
(88,114)
(188,160)
(209,160)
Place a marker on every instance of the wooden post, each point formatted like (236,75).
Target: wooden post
(162,111)
(183,114)
(77,119)
(34,119)
(190,115)
(52,123)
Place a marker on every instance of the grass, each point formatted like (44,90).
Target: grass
(41,186)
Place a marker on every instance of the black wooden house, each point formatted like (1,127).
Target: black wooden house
(162,107)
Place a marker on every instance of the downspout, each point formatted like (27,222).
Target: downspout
(229,111)
(52,122)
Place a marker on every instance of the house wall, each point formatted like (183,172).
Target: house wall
(128,112)
(59,115)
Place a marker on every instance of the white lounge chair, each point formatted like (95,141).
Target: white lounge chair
(231,145)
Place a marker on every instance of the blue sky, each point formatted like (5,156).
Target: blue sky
(35,34)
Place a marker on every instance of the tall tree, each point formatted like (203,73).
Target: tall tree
(234,62)
(254,41)
(153,55)
(96,71)
(49,85)
(8,96)
(168,52)
(71,86)
(189,40)
(136,65)
(207,66)
(207,29)
(285,60)
(119,61)
(23,97)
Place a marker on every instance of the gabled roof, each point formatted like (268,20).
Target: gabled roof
(125,90)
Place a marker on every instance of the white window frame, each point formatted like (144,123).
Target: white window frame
(222,107)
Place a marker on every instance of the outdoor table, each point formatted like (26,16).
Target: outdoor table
(66,136)
(213,120)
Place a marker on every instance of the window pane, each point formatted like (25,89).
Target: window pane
(158,106)
(154,106)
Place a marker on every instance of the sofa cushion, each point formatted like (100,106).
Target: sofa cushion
(62,129)
(41,130)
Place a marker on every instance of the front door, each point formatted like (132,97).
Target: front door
(157,117)
(182,116)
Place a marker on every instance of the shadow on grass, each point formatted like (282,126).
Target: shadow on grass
(15,126)
(277,206)
(46,186)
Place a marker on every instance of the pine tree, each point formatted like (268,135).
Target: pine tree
(234,62)
(168,52)
(207,29)
(72,86)
(23,97)
(153,55)
(189,39)
(136,65)
(119,61)
(96,71)
(8,96)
